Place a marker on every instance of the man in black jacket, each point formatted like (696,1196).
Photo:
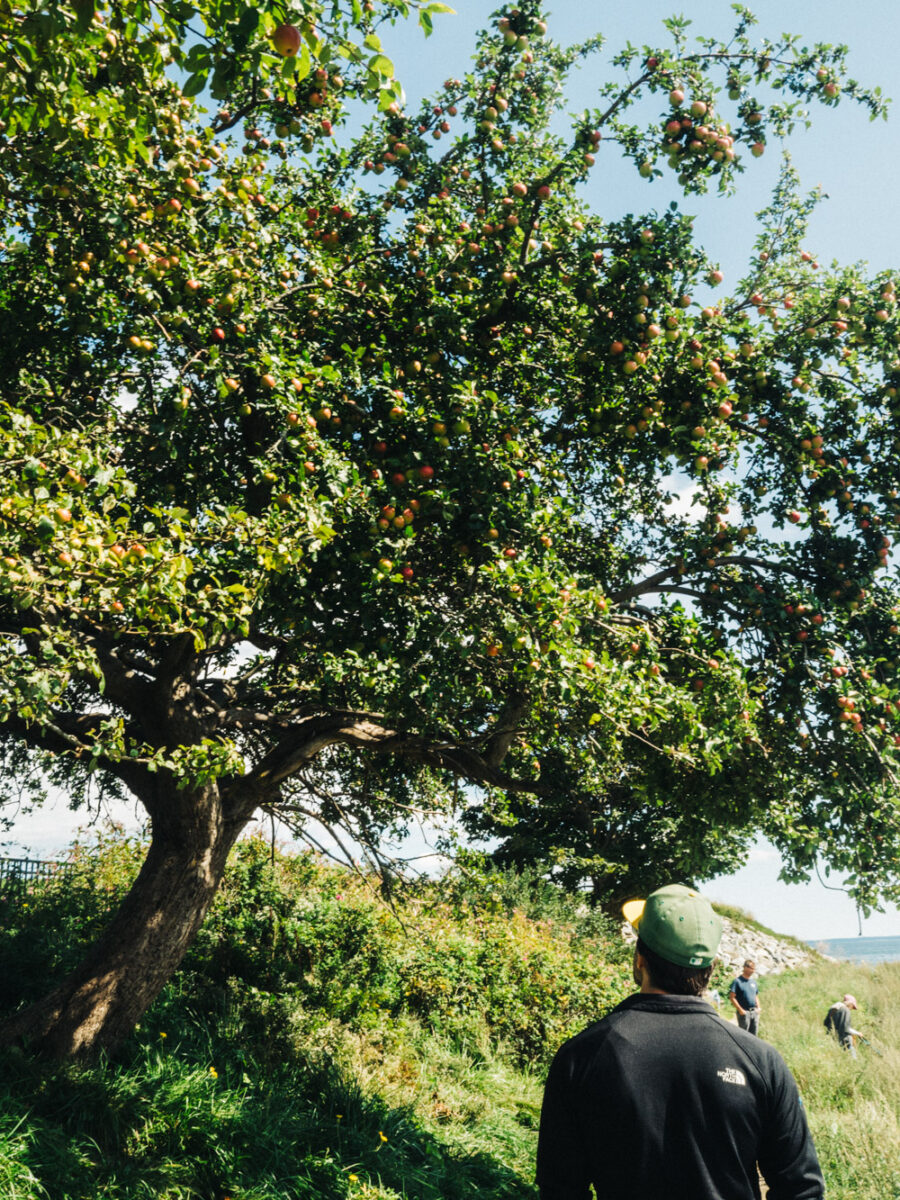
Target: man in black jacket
(662,1098)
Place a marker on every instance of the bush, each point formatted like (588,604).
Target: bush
(319,1042)
(244,1078)
(482,957)
(48,926)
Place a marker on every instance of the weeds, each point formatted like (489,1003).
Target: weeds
(317,1043)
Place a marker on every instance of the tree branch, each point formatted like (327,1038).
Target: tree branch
(365,732)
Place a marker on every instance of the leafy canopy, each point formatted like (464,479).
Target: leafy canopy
(342,468)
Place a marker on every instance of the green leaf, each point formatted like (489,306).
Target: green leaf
(195,84)
(84,15)
(381,65)
(301,66)
(248,21)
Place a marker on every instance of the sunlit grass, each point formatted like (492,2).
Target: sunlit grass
(318,1045)
(853,1105)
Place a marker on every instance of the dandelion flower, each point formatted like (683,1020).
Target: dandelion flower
(163,1035)
(382,1136)
(353,1178)
(214,1073)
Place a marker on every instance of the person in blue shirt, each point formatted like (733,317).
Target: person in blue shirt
(744,995)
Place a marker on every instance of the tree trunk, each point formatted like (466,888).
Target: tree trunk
(98,1005)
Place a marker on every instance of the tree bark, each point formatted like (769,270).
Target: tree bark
(99,1003)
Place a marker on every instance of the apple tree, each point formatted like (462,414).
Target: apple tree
(350,476)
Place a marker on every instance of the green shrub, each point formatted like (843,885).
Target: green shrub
(320,1042)
(48,926)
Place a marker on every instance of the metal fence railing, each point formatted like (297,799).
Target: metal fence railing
(17,873)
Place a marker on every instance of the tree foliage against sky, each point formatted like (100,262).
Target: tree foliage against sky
(343,470)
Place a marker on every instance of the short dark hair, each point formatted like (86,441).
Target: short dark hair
(669,977)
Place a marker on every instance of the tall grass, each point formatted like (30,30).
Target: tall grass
(853,1105)
(318,1043)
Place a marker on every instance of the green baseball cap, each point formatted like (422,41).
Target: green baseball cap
(678,924)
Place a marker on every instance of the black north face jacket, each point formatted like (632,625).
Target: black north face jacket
(663,1100)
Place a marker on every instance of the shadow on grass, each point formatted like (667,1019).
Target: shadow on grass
(161,1127)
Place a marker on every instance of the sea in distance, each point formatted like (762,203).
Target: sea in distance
(870,950)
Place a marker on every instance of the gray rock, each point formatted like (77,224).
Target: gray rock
(772,955)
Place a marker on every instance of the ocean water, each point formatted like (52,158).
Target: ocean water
(868,950)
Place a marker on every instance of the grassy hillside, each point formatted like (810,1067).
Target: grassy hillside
(853,1107)
(322,1042)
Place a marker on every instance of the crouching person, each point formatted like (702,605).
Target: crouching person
(839,1022)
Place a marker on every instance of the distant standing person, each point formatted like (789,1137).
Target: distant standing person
(744,995)
(838,1022)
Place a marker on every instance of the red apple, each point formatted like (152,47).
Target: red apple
(286,40)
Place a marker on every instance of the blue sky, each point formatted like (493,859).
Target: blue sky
(857,163)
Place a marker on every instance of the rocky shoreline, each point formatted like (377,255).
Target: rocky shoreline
(771,954)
